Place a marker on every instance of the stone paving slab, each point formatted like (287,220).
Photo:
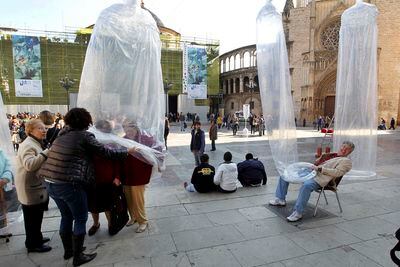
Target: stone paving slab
(180,223)
(321,239)
(206,237)
(265,250)
(213,257)
(377,249)
(127,250)
(339,257)
(368,228)
(171,260)
(264,228)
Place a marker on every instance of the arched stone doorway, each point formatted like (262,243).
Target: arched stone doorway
(325,95)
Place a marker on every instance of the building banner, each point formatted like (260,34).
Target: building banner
(195,72)
(27,66)
(185,67)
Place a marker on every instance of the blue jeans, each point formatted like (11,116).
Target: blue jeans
(197,155)
(71,199)
(304,193)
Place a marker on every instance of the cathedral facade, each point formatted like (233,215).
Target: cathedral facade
(312,39)
(312,32)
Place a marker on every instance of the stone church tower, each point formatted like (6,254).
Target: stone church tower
(312,33)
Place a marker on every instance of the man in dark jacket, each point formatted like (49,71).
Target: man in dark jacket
(198,142)
(202,177)
(251,172)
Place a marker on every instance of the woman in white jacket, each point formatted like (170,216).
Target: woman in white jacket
(226,175)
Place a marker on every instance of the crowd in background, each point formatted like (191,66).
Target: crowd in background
(17,123)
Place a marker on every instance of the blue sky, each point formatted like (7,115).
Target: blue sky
(230,21)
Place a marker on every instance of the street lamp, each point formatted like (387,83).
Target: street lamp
(167,86)
(67,83)
(251,85)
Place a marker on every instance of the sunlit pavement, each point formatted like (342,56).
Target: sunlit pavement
(191,229)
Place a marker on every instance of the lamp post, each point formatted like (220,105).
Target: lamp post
(167,86)
(67,83)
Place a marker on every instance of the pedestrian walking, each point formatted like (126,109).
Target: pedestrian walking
(392,123)
(213,134)
(197,143)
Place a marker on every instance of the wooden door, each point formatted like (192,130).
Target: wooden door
(329,106)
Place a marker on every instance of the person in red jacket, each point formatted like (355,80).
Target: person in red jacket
(106,173)
(135,175)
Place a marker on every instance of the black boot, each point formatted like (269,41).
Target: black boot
(79,257)
(67,243)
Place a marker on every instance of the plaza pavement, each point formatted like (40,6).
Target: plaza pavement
(191,229)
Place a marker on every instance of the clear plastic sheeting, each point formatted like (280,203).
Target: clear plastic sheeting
(275,89)
(10,208)
(122,80)
(144,151)
(5,134)
(356,88)
(299,172)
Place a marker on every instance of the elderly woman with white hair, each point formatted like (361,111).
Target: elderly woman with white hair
(31,190)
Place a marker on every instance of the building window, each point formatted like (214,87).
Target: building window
(237,61)
(232,105)
(246,60)
(330,36)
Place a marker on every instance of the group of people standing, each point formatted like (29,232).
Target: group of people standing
(80,174)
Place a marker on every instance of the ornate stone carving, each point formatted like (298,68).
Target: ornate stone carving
(330,36)
(324,58)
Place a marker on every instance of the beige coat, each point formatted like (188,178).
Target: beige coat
(31,189)
(331,169)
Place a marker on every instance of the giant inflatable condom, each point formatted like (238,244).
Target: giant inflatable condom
(122,81)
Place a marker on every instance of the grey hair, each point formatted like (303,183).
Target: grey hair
(350,144)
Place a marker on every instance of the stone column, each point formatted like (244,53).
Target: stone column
(241,78)
(224,87)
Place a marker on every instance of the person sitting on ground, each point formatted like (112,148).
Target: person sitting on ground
(251,172)
(336,166)
(202,177)
(226,176)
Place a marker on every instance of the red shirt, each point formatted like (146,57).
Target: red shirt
(135,172)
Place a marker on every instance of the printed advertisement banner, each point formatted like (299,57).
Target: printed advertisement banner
(195,72)
(27,66)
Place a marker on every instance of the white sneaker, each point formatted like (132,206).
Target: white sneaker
(294,217)
(277,202)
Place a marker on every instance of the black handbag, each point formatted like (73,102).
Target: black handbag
(119,210)
(395,259)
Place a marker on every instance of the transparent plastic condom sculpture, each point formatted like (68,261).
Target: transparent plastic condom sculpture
(11,204)
(274,78)
(356,87)
(122,80)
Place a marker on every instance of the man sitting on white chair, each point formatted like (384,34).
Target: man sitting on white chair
(336,165)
